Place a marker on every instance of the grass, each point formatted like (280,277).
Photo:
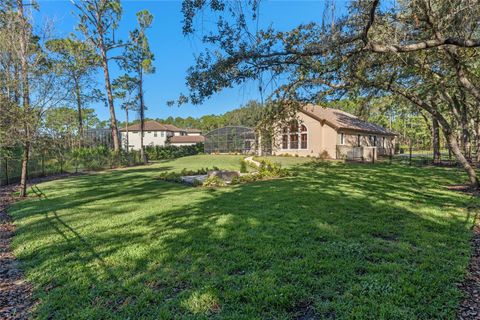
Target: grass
(343,241)
(286,162)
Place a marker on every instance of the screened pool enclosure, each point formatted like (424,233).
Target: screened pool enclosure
(230,139)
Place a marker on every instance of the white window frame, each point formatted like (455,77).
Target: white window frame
(342,138)
(299,137)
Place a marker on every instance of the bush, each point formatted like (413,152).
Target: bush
(243,166)
(172,152)
(214,181)
(270,169)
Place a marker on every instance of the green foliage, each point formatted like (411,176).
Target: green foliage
(243,166)
(270,169)
(248,115)
(214,181)
(172,152)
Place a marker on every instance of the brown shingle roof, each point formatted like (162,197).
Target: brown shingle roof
(187,139)
(151,125)
(343,120)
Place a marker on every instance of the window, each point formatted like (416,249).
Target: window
(303,141)
(383,142)
(162,134)
(294,141)
(375,141)
(294,126)
(292,135)
(359,140)
(342,138)
(155,134)
(149,132)
(284,141)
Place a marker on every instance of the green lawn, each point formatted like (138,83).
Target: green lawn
(343,241)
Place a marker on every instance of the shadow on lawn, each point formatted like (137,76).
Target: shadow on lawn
(335,241)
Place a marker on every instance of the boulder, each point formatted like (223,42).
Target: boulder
(224,174)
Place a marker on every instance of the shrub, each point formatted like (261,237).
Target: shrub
(170,176)
(214,181)
(270,169)
(172,152)
(243,166)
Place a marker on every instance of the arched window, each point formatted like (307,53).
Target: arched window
(303,137)
(285,141)
(294,136)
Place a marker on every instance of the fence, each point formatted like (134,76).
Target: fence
(41,165)
(38,166)
(422,156)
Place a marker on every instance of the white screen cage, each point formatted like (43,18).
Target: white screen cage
(230,139)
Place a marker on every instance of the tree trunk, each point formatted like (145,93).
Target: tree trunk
(108,87)
(25,98)
(126,130)
(452,142)
(79,111)
(24,174)
(142,116)
(465,133)
(127,141)
(477,139)
(436,141)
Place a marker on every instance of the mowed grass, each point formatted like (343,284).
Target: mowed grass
(343,241)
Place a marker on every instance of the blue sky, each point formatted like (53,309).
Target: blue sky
(174,53)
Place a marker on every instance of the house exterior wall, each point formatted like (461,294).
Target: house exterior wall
(321,139)
(152,138)
(360,145)
(326,142)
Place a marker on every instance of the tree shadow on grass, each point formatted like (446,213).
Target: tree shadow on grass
(336,241)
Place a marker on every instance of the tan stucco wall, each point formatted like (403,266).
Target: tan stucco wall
(322,140)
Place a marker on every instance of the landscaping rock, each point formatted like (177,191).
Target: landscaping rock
(226,176)
(191,179)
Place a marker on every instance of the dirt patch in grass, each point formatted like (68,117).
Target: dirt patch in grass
(465,188)
(470,306)
(15,293)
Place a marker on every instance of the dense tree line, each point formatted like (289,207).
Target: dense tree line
(47,84)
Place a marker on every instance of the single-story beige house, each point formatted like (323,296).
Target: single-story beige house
(158,134)
(333,134)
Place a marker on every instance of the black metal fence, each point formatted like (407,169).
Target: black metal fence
(42,164)
(38,166)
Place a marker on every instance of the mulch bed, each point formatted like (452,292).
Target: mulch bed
(15,293)
(470,306)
